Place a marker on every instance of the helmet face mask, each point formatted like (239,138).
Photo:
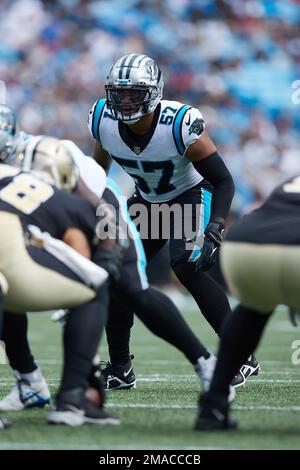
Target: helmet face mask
(126,102)
(9,134)
(133,87)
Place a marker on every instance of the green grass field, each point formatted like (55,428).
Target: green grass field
(160,413)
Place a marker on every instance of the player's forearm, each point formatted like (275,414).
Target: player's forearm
(78,241)
(105,163)
(214,170)
(102,157)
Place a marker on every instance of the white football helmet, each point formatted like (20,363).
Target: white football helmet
(134,87)
(9,134)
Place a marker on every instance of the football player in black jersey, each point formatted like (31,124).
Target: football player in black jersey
(40,272)
(261,262)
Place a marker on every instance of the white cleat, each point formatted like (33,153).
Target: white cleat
(4,424)
(205,370)
(26,394)
(60,316)
(12,401)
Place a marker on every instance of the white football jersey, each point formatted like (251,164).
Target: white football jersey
(89,171)
(156,161)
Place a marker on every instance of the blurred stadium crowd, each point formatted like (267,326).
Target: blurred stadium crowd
(234,59)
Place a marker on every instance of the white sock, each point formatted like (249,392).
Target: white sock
(34,376)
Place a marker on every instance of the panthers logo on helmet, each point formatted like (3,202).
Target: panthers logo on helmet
(196,127)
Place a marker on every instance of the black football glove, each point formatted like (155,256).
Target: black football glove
(110,260)
(212,241)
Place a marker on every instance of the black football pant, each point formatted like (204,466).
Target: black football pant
(241,334)
(210,298)
(81,338)
(161,317)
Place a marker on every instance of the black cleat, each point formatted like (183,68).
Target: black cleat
(74,409)
(119,377)
(251,367)
(213,414)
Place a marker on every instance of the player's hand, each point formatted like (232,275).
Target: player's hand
(212,241)
(110,260)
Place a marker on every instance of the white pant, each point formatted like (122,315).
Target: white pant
(262,276)
(27,285)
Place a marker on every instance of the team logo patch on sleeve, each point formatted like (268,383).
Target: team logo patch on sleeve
(196,127)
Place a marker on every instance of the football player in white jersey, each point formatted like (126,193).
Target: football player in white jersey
(163,145)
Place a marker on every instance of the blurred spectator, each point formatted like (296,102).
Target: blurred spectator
(234,59)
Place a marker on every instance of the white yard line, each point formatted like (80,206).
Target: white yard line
(162,362)
(165,406)
(186,406)
(294,370)
(165,362)
(171,378)
(193,378)
(10,383)
(277,381)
